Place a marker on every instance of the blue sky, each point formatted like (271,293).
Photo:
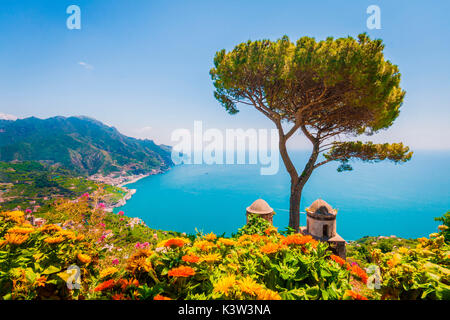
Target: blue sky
(143,66)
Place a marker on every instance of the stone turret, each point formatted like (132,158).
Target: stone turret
(261,208)
(321,224)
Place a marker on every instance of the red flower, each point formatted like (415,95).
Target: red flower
(355,296)
(160,297)
(105,285)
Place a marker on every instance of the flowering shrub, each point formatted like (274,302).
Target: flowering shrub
(422,272)
(33,261)
(122,259)
(266,265)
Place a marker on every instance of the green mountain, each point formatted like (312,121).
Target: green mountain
(81,144)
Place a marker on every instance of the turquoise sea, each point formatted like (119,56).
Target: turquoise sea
(373,199)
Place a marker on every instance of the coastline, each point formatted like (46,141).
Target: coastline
(130,192)
(134,179)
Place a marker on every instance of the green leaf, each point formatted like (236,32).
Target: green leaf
(51,269)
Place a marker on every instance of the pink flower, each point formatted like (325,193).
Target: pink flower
(101,238)
(121,219)
(101,224)
(115,261)
(28,211)
(101,205)
(120,213)
(85,195)
(139,245)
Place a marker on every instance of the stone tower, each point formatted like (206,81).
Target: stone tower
(321,224)
(261,208)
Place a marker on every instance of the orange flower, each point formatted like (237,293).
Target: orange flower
(182,271)
(270,230)
(210,237)
(175,242)
(105,285)
(354,295)
(270,248)
(124,283)
(84,258)
(118,296)
(40,282)
(357,271)
(338,259)
(190,258)
(227,242)
(160,297)
(296,239)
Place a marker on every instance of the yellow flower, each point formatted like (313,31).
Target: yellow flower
(54,240)
(225,284)
(140,261)
(266,294)
(107,272)
(84,258)
(40,282)
(244,240)
(210,237)
(16,238)
(434,235)
(227,242)
(248,285)
(50,228)
(68,234)
(203,245)
(211,257)
(20,230)
(16,216)
(395,260)
(80,237)
(403,250)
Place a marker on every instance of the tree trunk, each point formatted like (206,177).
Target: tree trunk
(294,207)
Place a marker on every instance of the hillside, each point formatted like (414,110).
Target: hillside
(81,144)
(33,185)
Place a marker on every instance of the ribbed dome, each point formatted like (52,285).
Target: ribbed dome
(321,207)
(260,207)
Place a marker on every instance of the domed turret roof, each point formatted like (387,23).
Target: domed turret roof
(321,207)
(259,207)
